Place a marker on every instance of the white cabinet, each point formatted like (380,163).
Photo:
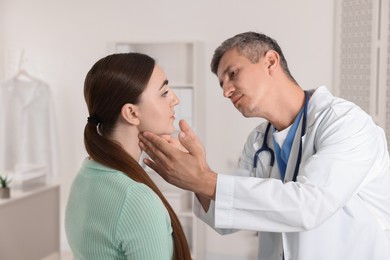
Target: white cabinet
(181,62)
(30,223)
(362,56)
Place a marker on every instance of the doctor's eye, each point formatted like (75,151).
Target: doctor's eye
(233,74)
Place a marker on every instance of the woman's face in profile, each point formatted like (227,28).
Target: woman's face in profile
(156,105)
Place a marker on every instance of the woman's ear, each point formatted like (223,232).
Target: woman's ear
(130,114)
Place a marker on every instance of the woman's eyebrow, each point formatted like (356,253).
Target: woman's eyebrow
(163,84)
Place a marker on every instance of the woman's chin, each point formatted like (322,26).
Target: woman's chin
(167,132)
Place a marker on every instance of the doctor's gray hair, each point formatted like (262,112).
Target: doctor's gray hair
(253,46)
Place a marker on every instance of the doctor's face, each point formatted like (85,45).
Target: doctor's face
(243,82)
(156,105)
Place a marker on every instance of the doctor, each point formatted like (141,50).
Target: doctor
(314,179)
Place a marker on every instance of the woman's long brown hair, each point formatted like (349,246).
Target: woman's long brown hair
(112,82)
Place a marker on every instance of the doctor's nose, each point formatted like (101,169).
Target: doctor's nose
(228,90)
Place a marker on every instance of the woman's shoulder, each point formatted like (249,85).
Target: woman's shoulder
(143,196)
(98,172)
(134,191)
(113,183)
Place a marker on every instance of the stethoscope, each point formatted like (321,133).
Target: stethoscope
(266,148)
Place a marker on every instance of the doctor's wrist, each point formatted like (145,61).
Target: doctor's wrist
(208,185)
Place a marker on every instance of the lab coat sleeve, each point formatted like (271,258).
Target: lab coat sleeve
(245,167)
(346,143)
(208,217)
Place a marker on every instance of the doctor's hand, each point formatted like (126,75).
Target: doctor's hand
(174,142)
(186,170)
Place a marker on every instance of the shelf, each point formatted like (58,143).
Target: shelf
(178,85)
(186,107)
(20,194)
(176,59)
(32,229)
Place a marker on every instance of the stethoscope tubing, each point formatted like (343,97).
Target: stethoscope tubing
(266,148)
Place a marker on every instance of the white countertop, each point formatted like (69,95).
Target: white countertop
(19,194)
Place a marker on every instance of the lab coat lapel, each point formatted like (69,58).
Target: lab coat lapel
(293,153)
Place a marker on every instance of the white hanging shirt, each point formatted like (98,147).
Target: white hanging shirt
(27,129)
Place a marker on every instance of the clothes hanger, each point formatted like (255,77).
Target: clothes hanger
(22,74)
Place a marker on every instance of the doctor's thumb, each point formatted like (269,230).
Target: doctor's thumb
(188,143)
(189,139)
(182,136)
(185,127)
(186,132)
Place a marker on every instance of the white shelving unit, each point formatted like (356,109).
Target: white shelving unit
(362,56)
(180,62)
(30,220)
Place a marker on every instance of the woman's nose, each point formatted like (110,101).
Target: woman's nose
(175,99)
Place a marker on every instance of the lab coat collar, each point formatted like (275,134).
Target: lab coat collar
(320,99)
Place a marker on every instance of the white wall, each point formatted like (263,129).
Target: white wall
(1,39)
(62,39)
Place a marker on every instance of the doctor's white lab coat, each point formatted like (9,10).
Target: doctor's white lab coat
(339,207)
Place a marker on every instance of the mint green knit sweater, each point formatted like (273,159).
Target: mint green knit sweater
(110,216)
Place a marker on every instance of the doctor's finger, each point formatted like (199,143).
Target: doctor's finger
(155,154)
(158,162)
(155,146)
(159,170)
(151,164)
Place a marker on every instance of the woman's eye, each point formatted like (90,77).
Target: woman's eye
(165,93)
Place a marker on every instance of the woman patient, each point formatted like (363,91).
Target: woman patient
(115,211)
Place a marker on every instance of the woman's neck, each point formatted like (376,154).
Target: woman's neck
(127,137)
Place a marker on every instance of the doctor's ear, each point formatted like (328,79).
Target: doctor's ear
(130,114)
(272,59)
